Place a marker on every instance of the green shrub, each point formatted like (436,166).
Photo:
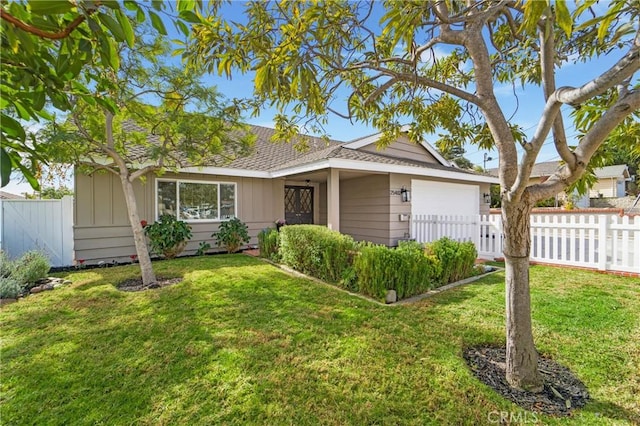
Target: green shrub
(407,270)
(31,267)
(232,234)
(457,259)
(6,265)
(203,248)
(168,236)
(268,241)
(10,288)
(316,250)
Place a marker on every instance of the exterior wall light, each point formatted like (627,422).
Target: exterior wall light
(405,195)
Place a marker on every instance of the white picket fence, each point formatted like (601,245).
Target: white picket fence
(45,225)
(603,242)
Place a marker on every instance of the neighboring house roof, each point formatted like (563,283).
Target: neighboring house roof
(10,196)
(547,168)
(617,171)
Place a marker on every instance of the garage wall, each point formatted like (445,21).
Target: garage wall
(102,230)
(365,207)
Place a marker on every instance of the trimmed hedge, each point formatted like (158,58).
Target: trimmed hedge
(407,270)
(457,259)
(317,251)
(368,268)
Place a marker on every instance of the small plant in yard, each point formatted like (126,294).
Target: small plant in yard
(268,241)
(31,267)
(457,259)
(168,236)
(6,265)
(203,248)
(406,269)
(232,234)
(10,288)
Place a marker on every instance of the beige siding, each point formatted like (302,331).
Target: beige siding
(364,208)
(606,187)
(399,229)
(403,148)
(322,204)
(102,230)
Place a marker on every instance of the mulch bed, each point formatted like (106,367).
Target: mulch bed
(488,365)
(135,284)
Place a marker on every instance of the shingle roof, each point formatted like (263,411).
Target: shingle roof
(10,196)
(268,156)
(612,171)
(356,155)
(547,168)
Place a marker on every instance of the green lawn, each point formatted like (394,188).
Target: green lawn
(241,342)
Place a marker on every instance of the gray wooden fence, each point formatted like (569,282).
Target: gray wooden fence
(44,225)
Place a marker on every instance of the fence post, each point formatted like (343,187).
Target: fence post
(603,226)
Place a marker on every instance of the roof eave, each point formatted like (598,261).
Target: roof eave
(339,163)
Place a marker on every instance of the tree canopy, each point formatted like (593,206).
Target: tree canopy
(46,48)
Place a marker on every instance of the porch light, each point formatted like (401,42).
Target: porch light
(405,194)
(487,198)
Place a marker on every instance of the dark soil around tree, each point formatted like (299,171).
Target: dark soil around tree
(562,392)
(135,284)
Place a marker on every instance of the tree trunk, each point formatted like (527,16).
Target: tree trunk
(148,276)
(522,356)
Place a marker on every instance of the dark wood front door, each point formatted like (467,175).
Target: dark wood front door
(298,205)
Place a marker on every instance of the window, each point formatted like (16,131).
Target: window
(189,200)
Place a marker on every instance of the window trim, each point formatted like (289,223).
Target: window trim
(203,182)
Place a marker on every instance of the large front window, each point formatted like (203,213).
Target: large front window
(189,200)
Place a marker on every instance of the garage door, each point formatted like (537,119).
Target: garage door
(444,198)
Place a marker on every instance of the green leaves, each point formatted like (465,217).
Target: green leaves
(11,128)
(157,23)
(50,7)
(563,17)
(5,167)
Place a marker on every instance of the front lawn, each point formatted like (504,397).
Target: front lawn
(241,342)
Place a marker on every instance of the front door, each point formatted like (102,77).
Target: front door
(298,205)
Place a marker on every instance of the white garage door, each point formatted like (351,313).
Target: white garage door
(444,198)
(442,209)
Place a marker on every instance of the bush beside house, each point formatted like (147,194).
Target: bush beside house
(367,268)
(407,270)
(168,236)
(268,243)
(317,251)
